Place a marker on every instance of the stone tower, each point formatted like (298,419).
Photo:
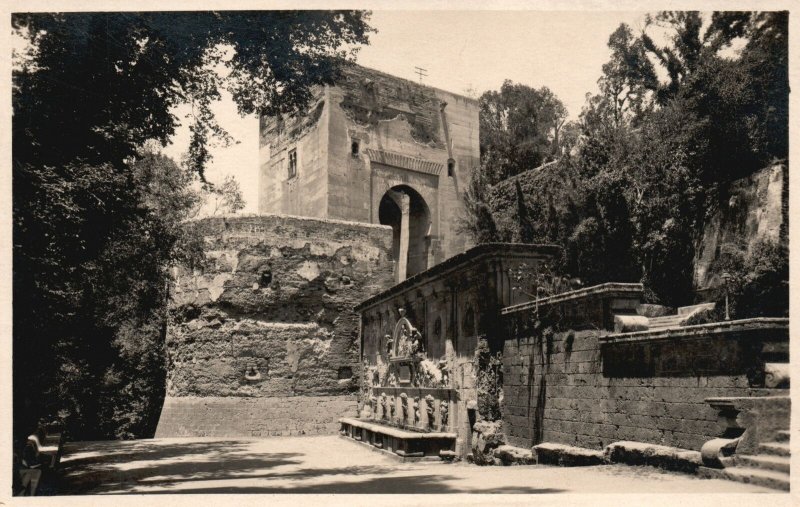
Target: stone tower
(378,149)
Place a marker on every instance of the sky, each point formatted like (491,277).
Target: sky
(466,52)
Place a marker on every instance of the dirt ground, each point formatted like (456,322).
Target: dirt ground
(330,464)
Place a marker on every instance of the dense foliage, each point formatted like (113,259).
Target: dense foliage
(96,219)
(653,157)
(519,129)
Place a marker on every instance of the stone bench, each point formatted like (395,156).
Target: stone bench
(48,447)
(42,452)
(403,443)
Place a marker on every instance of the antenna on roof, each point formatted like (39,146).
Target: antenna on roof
(422,73)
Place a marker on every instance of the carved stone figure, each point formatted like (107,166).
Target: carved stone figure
(429,408)
(389,346)
(366,411)
(416,411)
(373,403)
(402,335)
(392,408)
(444,407)
(416,342)
(384,413)
(445,382)
(404,407)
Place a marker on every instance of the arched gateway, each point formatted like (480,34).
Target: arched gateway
(404,209)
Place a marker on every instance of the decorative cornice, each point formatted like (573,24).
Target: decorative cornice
(459,261)
(404,161)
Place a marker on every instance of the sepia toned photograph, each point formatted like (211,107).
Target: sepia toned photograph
(397,251)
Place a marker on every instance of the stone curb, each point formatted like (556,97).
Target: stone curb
(567,455)
(510,455)
(623,452)
(661,456)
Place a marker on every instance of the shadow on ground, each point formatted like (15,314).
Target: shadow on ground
(234,466)
(408,484)
(111,467)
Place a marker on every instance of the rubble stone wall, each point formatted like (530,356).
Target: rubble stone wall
(269,320)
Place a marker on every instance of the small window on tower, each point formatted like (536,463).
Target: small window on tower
(451,167)
(292,164)
(355,147)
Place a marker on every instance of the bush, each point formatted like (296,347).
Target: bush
(758,285)
(489,381)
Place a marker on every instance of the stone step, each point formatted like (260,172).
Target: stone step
(775,448)
(662,321)
(755,476)
(684,311)
(782,436)
(765,462)
(663,324)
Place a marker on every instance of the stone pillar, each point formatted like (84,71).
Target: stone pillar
(402,261)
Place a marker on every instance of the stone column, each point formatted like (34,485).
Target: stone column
(402,261)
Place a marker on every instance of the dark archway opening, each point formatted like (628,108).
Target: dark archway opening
(419,222)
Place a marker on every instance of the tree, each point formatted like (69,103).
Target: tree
(742,99)
(519,126)
(225,199)
(671,160)
(96,221)
(101,84)
(627,77)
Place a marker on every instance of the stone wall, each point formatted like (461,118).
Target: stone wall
(215,416)
(269,317)
(585,388)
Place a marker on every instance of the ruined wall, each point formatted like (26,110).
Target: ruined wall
(266,328)
(569,388)
(757,210)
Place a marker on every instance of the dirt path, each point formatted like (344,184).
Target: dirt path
(328,464)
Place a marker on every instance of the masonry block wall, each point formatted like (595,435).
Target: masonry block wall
(568,387)
(262,339)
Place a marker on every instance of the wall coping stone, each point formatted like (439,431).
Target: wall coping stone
(731,401)
(606,290)
(456,262)
(711,328)
(244,218)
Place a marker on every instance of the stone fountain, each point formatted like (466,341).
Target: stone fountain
(410,401)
